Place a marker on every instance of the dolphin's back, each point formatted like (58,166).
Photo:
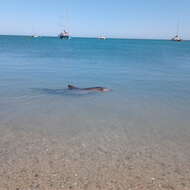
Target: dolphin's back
(97,88)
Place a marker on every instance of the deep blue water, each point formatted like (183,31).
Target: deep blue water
(150,81)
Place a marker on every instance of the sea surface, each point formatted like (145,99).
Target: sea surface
(144,121)
(150,82)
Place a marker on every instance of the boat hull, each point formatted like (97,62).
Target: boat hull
(177,40)
(64,37)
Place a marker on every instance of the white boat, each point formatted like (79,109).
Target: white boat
(64,35)
(176,38)
(35,36)
(102,38)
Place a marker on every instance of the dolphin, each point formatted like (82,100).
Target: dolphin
(98,88)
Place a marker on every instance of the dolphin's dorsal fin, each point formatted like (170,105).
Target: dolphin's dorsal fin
(72,87)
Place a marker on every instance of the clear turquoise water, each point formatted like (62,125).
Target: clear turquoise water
(150,82)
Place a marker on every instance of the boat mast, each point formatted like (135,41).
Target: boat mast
(178,29)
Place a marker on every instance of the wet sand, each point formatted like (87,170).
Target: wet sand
(107,159)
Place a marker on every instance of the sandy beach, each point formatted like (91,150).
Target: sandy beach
(115,159)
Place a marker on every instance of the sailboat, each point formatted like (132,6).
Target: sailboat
(177,38)
(64,35)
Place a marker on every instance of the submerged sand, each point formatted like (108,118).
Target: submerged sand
(108,159)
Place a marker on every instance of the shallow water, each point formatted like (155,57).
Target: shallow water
(149,80)
(142,124)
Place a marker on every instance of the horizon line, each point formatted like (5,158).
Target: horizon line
(129,38)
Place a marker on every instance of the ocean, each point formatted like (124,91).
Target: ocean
(147,110)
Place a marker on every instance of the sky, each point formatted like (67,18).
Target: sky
(91,18)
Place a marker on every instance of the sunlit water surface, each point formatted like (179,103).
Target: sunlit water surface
(150,82)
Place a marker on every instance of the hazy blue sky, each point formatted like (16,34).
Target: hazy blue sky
(113,18)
